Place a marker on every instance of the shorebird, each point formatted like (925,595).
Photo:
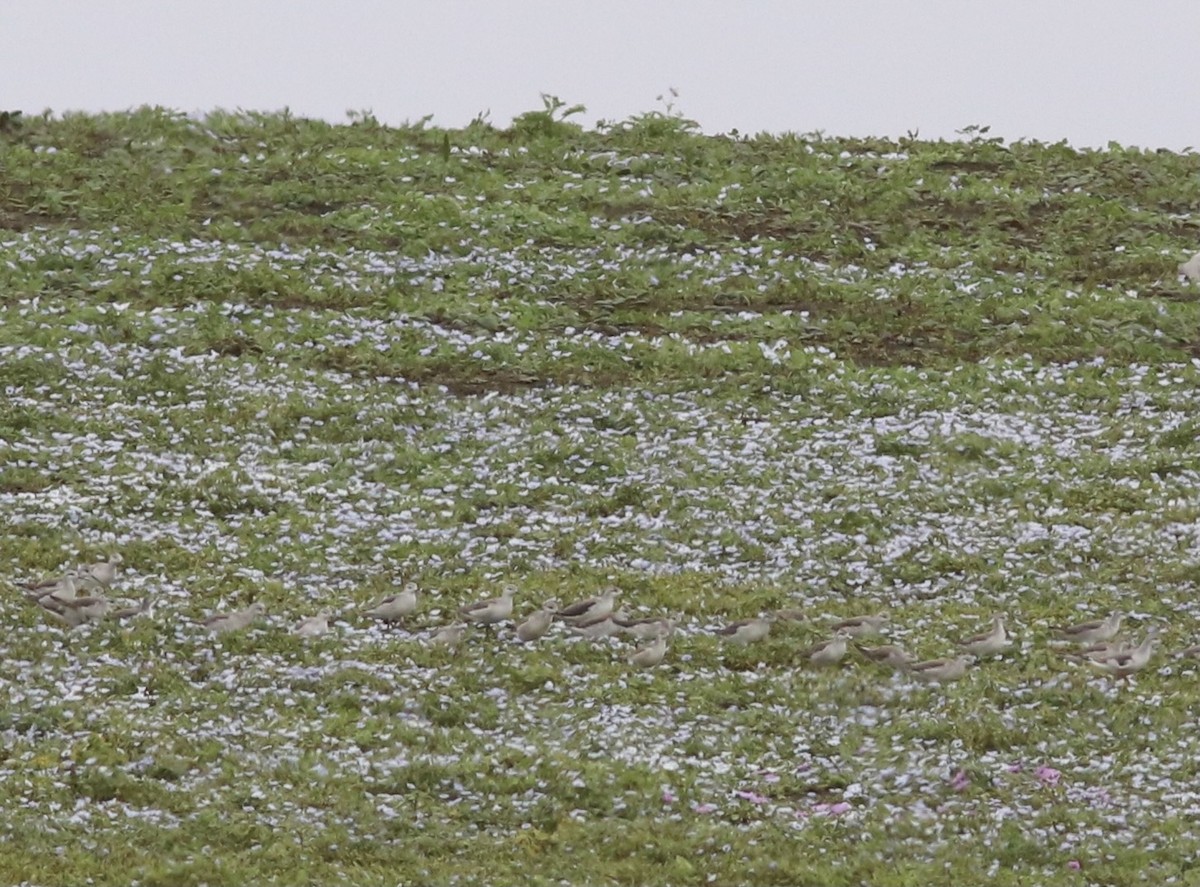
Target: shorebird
(651,654)
(642,628)
(62,588)
(887,654)
(746,631)
(1191,268)
(101,573)
(538,623)
(1126,662)
(395,607)
(219,623)
(862,626)
(448,636)
(933,671)
(75,611)
(828,652)
(1092,632)
(597,629)
(146,606)
(491,611)
(313,626)
(791,614)
(591,609)
(990,642)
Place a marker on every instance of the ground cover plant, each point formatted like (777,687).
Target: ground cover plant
(271,359)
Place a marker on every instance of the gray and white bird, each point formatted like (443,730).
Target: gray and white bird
(746,631)
(448,636)
(828,652)
(220,623)
(862,626)
(76,611)
(988,643)
(395,607)
(100,574)
(590,609)
(144,607)
(935,671)
(1092,632)
(604,627)
(493,611)
(890,655)
(1124,663)
(651,654)
(642,628)
(313,626)
(537,623)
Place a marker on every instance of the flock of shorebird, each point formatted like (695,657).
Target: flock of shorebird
(79,597)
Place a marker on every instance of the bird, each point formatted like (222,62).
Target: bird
(62,588)
(145,606)
(1191,268)
(590,609)
(1123,663)
(1192,652)
(101,573)
(219,623)
(312,626)
(491,611)
(746,631)
(395,607)
(448,636)
(862,626)
(642,628)
(933,671)
(1093,631)
(75,611)
(651,654)
(828,652)
(538,622)
(887,654)
(604,627)
(791,614)
(990,642)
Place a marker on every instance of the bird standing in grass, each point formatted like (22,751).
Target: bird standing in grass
(935,671)
(1092,632)
(448,636)
(395,607)
(746,631)
(313,626)
(493,611)
(862,626)
(591,609)
(220,623)
(828,652)
(538,622)
(988,643)
(651,654)
(887,654)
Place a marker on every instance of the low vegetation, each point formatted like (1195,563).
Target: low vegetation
(273,359)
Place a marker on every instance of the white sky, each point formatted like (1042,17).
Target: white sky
(1089,72)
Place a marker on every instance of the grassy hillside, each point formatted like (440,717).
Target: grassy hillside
(270,359)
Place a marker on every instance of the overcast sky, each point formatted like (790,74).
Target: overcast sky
(1089,72)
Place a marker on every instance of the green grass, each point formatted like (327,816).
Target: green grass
(274,359)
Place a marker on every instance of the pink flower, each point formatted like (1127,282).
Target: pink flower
(770,777)
(839,808)
(667,797)
(1048,775)
(1015,768)
(1074,865)
(703,808)
(960,781)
